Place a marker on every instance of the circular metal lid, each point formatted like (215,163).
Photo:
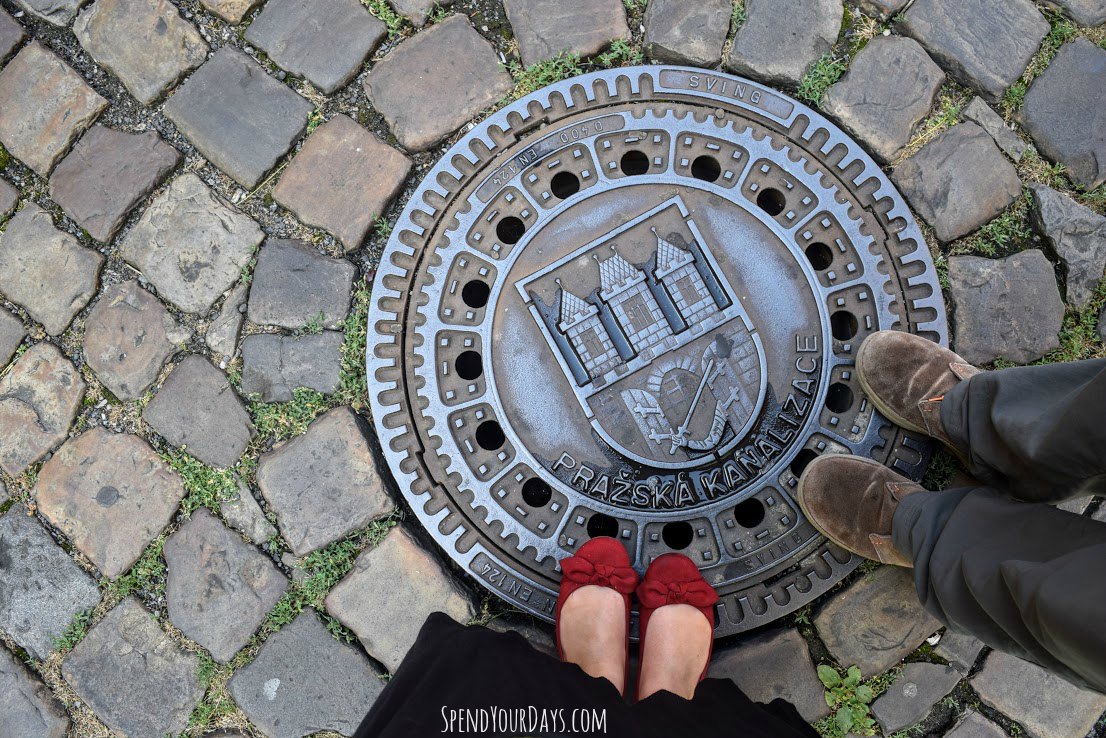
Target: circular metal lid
(628,305)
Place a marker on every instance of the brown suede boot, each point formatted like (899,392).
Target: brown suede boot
(851,500)
(906,377)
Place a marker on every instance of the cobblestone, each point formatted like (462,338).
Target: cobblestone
(687,31)
(1005,308)
(145,43)
(232,11)
(240,118)
(584,27)
(11,336)
(191,245)
(472,81)
(133,676)
(107,174)
(11,35)
(222,333)
(303,681)
(1077,236)
(960,650)
(1084,12)
(220,588)
(197,410)
(779,41)
(44,106)
(323,484)
(974,725)
(41,589)
(29,709)
(110,494)
(57,12)
(1011,144)
(273,366)
(245,516)
(39,397)
(294,285)
(342,180)
(324,41)
(387,619)
(913,694)
(9,198)
(46,271)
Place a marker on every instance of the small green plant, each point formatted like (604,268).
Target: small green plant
(147,575)
(1002,235)
(622,53)
(1062,31)
(314,326)
(206,487)
(438,14)
(74,632)
(849,699)
(737,16)
(819,77)
(5,157)
(542,74)
(314,119)
(383,11)
(279,420)
(382,229)
(635,6)
(352,389)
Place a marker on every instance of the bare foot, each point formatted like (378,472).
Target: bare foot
(593,633)
(676,647)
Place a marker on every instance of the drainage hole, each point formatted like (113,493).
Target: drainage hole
(750,513)
(510,229)
(802,460)
(476,293)
(771,201)
(706,168)
(677,534)
(469,365)
(489,435)
(839,398)
(844,325)
(602,525)
(536,493)
(634,163)
(820,256)
(564,185)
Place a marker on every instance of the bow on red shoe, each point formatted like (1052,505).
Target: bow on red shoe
(654,593)
(580,571)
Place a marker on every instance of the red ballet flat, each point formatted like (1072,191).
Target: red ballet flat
(602,561)
(673,579)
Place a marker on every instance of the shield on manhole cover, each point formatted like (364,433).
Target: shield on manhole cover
(629,305)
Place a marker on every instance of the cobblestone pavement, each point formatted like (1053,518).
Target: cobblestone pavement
(196,532)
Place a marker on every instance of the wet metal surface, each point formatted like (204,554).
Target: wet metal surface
(629,305)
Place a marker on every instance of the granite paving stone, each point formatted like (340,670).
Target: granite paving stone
(323,484)
(274,365)
(110,494)
(145,43)
(778,41)
(876,622)
(294,285)
(9,198)
(1005,308)
(959,182)
(889,89)
(232,11)
(3,492)
(128,336)
(386,618)
(913,695)
(222,333)
(980,113)
(29,709)
(304,681)
(219,588)
(45,270)
(1083,12)
(985,45)
(960,650)
(585,27)
(44,106)
(417,11)
(41,588)
(882,9)
(12,334)
(39,397)
(191,245)
(342,180)
(774,665)
(245,516)
(1077,236)
(239,117)
(324,41)
(11,35)
(687,31)
(472,81)
(107,174)
(974,725)
(128,648)
(1064,113)
(1045,704)
(57,12)
(1076,505)
(197,410)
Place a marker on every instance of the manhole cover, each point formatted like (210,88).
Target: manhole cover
(628,305)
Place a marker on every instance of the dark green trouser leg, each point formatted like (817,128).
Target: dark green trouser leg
(1021,576)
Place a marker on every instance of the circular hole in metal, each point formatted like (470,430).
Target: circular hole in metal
(634,162)
(839,398)
(475,293)
(802,460)
(771,201)
(510,229)
(820,256)
(564,185)
(469,365)
(677,535)
(536,493)
(706,168)
(489,435)
(844,325)
(602,525)
(750,513)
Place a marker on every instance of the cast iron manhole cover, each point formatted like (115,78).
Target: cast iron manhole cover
(628,305)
